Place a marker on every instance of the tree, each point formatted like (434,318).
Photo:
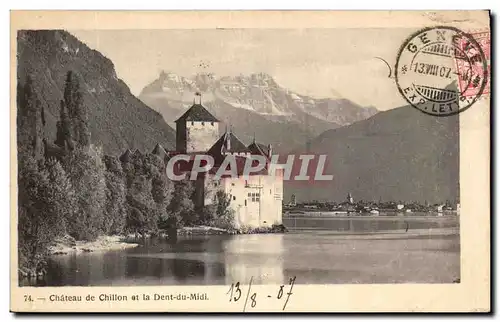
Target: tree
(64,129)
(29,122)
(114,211)
(152,165)
(62,196)
(45,200)
(33,229)
(86,171)
(142,213)
(136,221)
(205,213)
(148,191)
(181,208)
(77,112)
(162,191)
(224,214)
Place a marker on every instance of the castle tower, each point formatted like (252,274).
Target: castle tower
(196,130)
(228,143)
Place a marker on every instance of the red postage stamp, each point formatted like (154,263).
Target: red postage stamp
(470,75)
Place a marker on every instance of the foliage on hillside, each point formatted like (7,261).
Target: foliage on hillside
(119,119)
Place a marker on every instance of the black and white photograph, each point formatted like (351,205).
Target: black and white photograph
(246,156)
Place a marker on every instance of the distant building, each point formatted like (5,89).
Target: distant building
(349,198)
(399,207)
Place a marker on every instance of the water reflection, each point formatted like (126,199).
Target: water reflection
(270,259)
(193,260)
(371,224)
(257,256)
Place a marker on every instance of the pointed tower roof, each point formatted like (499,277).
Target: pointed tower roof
(159,151)
(228,142)
(137,154)
(125,157)
(258,148)
(197,113)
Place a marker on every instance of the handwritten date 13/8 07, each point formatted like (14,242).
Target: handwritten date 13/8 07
(236,290)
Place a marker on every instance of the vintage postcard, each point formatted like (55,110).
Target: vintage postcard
(233,161)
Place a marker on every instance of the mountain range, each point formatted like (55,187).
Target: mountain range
(400,154)
(118,119)
(253,105)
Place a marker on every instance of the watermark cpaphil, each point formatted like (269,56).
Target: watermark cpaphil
(300,167)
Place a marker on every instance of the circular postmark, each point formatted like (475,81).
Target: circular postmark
(437,67)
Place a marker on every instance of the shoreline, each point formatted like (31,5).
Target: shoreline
(68,245)
(370,217)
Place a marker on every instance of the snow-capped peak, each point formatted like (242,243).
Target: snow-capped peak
(258,92)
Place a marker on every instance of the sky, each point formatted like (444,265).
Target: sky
(320,63)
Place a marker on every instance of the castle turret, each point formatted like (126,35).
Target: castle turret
(260,149)
(197,129)
(228,143)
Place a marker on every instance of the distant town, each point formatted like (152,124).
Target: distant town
(362,207)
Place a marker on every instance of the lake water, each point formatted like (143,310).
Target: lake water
(319,250)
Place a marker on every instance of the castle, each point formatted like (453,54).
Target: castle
(257,198)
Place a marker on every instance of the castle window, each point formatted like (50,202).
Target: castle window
(255,196)
(202,123)
(212,123)
(234,197)
(269,191)
(245,202)
(232,184)
(192,122)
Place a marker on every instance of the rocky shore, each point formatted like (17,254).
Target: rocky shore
(207,230)
(68,244)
